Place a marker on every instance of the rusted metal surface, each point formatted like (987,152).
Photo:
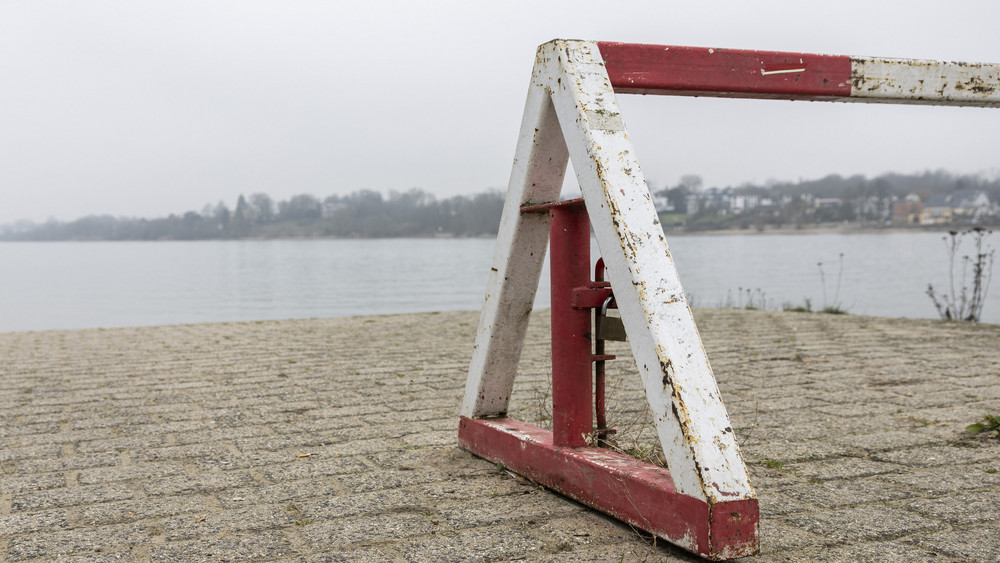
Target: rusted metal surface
(638,493)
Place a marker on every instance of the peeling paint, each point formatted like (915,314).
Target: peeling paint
(722,491)
(925,82)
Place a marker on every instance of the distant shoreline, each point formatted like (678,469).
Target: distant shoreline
(827,228)
(845,229)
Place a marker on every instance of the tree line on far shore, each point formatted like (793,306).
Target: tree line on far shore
(927,199)
(362,214)
(416,213)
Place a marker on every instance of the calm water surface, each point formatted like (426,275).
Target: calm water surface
(105,284)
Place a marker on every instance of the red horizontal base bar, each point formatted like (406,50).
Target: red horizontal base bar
(634,492)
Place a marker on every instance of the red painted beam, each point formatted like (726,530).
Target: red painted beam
(731,73)
(572,383)
(638,493)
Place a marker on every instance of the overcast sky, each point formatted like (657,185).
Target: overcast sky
(150,108)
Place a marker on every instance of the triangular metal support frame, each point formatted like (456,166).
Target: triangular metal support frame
(705,503)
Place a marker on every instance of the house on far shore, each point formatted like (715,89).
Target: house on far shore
(971,205)
(937,211)
(907,212)
(965,206)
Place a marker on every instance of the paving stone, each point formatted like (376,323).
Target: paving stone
(977,543)
(66,436)
(360,555)
(449,462)
(857,408)
(582,529)
(279,492)
(874,552)
(922,396)
(67,463)
(790,452)
(313,466)
(394,418)
(8,430)
(75,541)
(126,556)
(662,553)
(160,428)
(843,468)
(772,503)
(345,505)
(279,442)
(958,453)
(219,436)
(12,453)
(464,488)
(261,517)
(170,453)
(864,523)
(367,529)
(951,478)
(436,438)
(848,492)
(965,413)
(779,535)
(203,482)
(128,473)
(100,420)
(371,481)
(965,509)
(784,435)
(538,505)
(499,543)
(894,440)
(145,508)
(70,497)
(267,544)
(359,447)
(120,444)
(10,484)
(225,461)
(49,520)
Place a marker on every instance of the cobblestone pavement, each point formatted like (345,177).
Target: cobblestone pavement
(334,440)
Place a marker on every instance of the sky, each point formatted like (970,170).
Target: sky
(143,109)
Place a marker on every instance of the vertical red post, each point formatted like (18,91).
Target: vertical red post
(572,418)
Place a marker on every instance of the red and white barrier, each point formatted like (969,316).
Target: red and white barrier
(697,71)
(705,503)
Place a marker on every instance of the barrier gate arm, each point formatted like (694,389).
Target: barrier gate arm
(732,73)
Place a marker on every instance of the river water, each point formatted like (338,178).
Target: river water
(67,285)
